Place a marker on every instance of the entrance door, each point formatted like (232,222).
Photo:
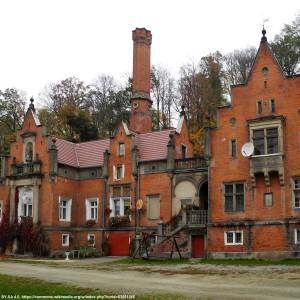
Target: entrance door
(119,243)
(197,246)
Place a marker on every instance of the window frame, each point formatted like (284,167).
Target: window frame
(297,242)
(268,193)
(68,208)
(115,172)
(119,149)
(272,104)
(67,244)
(293,192)
(121,200)
(259,107)
(233,148)
(234,195)
(89,208)
(234,242)
(158,198)
(94,239)
(267,125)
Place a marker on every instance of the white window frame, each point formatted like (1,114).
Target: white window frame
(1,210)
(89,236)
(68,208)
(122,210)
(88,208)
(67,243)
(234,237)
(115,172)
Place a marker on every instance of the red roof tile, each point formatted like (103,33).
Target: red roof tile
(153,145)
(82,155)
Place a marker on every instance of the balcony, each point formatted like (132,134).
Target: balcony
(266,164)
(196,217)
(26,169)
(191,163)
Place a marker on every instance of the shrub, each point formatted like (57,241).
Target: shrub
(39,241)
(5,231)
(105,248)
(58,254)
(88,252)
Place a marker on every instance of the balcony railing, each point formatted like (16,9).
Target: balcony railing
(25,169)
(191,163)
(197,217)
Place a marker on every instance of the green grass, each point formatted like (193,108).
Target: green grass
(225,262)
(12,286)
(152,261)
(251,262)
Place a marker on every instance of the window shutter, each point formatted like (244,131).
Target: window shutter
(123,171)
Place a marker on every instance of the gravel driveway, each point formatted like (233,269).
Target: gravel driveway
(193,281)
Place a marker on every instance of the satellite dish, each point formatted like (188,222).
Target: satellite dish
(247,149)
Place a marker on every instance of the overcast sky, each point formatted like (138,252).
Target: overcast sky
(46,41)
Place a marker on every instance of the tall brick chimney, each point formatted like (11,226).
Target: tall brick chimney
(140,119)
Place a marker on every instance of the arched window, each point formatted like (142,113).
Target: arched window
(29,152)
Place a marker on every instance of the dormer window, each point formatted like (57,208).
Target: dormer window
(29,152)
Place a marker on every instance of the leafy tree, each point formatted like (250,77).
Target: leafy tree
(12,112)
(109,104)
(163,95)
(286,47)
(237,65)
(201,90)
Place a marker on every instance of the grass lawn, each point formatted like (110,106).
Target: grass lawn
(12,286)
(229,262)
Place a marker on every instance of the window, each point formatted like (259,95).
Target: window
(265,141)
(297,236)
(25,202)
(119,206)
(1,209)
(234,197)
(91,205)
(118,172)
(272,106)
(29,152)
(121,149)
(296,193)
(91,239)
(259,107)
(65,240)
(233,151)
(65,209)
(268,199)
(233,237)
(153,207)
(183,151)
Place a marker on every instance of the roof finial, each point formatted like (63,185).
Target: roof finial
(31,105)
(264,38)
(182,113)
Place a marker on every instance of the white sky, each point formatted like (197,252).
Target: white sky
(46,41)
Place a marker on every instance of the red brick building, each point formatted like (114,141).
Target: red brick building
(255,201)
(87,192)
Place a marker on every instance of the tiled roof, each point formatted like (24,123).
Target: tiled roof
(153,145)
(83,155)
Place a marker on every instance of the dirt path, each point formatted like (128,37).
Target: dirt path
(226,285)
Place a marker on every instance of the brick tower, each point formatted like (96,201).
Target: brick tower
(140,119)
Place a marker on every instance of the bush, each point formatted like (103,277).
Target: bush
(5,232)
(105,248)
(88,252)
(39,241)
